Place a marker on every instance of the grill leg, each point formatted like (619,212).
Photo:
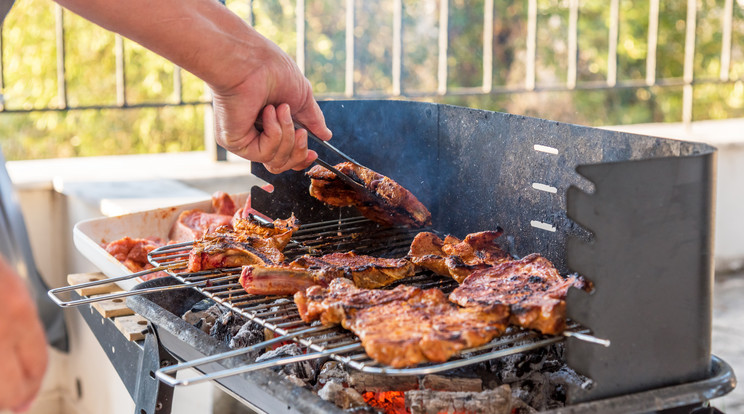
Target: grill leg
(151,395)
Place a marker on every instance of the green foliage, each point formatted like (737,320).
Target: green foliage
(30,68)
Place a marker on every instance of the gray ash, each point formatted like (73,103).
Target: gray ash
(305,370)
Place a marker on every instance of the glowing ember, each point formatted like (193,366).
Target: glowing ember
(392,402)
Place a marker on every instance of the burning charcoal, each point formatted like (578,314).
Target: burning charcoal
(496,401)
(304,370)
(333,371)
(343,397)
(226,327)
(249,334)
(203,314)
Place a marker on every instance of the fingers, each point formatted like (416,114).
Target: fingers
(285,147)
(312,118)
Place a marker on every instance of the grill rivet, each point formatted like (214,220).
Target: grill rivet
(164,363)
(158,406)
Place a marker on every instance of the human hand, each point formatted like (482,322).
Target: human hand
(278,93)
(22,343)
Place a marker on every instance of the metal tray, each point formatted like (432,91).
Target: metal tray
(90,235)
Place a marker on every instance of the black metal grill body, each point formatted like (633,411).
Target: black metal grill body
(634,214)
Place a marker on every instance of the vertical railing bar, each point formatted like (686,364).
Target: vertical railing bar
(2,67)
(529,82)
(300,27)
(728,15)
(177,84)
(59,25)
(653,40)
(250,18)
(487,46)
(397,46)
(443,43)
(612,43)
(121,78)
(349,71)
(573,44)
(688,75)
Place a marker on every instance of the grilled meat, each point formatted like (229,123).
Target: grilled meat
(404,326)
(280,231)
(250,242)
(276,280)
(366,272)
(532,287)
(387,202)
(454,257)
(225,248)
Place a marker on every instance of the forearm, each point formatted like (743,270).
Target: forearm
(201,36)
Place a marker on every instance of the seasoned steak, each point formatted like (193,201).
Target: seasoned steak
(454,257)
(531,287)
(404,326)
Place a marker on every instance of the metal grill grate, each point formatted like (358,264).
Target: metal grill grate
(281,316)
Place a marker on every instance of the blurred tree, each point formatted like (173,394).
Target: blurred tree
(30,80)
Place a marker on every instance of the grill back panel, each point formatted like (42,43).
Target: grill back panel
(478,169)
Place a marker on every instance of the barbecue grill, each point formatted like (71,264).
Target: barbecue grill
(631,213)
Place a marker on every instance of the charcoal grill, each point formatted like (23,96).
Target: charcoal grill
(631,213)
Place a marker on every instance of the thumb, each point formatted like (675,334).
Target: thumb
(311,117)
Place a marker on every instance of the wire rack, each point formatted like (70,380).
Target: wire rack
(280,315)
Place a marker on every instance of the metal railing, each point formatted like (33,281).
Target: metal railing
(397,90)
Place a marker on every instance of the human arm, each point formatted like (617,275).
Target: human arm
(245,71)
(22,343)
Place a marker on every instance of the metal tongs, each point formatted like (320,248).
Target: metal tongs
(325,144)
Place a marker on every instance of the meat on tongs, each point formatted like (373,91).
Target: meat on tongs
(382,199)
(286,279)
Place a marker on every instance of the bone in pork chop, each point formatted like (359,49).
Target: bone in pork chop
(366,272)
(404,326)
(454,257)
(387,202)
(249,243)
(531,287)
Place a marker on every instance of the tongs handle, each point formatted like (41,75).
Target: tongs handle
(327,145)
